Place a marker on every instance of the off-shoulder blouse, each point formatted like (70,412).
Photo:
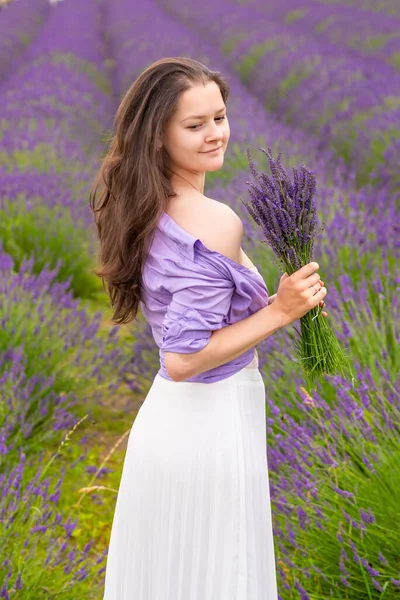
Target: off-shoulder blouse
(191,291)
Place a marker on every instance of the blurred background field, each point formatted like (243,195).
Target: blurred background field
(319,81)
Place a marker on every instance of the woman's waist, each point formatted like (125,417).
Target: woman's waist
(254,363)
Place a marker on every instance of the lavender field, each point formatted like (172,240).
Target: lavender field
(318,81)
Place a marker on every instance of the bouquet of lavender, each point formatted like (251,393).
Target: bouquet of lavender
(286,212)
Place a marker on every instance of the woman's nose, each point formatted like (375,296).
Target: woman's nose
(215,133)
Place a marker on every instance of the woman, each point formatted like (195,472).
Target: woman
(193,517)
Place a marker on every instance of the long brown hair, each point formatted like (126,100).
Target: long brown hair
(134,177)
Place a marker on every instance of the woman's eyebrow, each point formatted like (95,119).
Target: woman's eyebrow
(202,116)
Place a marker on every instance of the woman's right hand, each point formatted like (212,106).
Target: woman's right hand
(296,295)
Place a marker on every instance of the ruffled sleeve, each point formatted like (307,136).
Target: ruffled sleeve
(198,307)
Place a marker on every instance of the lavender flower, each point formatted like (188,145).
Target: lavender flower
(286,212)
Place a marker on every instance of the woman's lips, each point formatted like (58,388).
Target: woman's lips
(214,150)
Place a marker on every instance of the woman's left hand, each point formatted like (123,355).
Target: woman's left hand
(272,298)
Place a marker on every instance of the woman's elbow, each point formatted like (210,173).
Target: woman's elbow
(175,365)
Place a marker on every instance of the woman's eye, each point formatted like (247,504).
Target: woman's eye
(217,119)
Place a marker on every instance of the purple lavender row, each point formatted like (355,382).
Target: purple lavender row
(386,7)
(20,22)
(347,510)
(365,32)
(39,191)
(348,101)
(61,87)
(31,504)
(55,357)
(53,364)
(66,31)
(48,350)
(56,110)
(43,200)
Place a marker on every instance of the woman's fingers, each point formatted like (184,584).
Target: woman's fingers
(323,313)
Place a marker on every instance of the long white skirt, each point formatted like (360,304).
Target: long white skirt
(192,519)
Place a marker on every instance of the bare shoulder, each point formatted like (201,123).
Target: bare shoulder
(225,211)
(216,224)
(223,230)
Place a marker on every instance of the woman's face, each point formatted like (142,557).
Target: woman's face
(200,124)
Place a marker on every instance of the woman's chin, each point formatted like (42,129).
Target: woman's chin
(214,165)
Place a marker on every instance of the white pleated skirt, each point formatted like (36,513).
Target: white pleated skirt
(192,519)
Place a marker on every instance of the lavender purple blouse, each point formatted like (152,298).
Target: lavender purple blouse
(190,291)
